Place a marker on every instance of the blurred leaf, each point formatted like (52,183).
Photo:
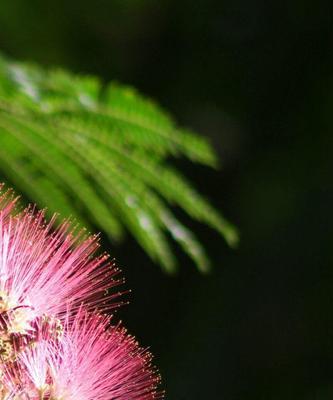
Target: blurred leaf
(103,153)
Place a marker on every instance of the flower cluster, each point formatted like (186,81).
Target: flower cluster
(55,343)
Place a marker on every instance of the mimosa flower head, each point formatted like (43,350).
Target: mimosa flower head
(55,343)
(93,361)
(44,271)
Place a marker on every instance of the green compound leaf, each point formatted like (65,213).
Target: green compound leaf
(103,155)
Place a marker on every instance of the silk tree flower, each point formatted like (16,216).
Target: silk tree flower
(93,361)
(54,342)
(46,271)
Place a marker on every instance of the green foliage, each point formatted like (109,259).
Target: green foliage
(102,156)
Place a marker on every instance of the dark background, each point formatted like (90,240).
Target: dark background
(256,77)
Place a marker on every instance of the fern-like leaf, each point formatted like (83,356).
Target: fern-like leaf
(103,154)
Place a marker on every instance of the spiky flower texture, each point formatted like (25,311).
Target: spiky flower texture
(55,342)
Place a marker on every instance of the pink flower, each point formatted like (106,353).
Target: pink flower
(93,361)
(46,271)
(53,343)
